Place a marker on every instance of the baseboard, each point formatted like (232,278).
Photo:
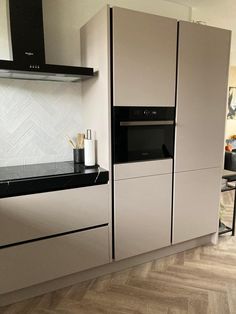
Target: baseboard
(70,280)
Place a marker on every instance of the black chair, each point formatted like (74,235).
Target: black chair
(230,160)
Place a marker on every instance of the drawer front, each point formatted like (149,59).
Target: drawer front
(142,169)
(38,215)
(25,265)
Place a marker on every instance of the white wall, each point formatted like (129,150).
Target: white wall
(62,24)
(231,124)
(35,118)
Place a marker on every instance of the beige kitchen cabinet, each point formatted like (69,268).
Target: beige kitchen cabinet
(142,214)
(33,216)
(196,204)
(144,58)
(203,62)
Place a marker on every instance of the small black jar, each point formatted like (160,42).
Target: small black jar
(78,155)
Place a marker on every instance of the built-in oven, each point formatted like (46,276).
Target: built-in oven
(143,133)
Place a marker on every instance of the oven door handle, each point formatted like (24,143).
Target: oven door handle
(143,123)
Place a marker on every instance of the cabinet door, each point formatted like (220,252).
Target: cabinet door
(203,62)
(142,215)
(196,203)
(144,59)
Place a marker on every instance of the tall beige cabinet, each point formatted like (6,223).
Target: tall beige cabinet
(203,61)
(144,71)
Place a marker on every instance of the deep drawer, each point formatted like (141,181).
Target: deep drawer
(33,216)
(25,265)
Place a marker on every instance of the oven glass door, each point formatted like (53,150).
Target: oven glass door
(143,142)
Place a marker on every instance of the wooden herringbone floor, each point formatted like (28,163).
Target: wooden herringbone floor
(197,281)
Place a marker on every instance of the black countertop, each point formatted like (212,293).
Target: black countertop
(38,178)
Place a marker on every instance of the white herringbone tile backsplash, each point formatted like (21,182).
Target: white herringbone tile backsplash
(35,119)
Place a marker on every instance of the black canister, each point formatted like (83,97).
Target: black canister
(78,155)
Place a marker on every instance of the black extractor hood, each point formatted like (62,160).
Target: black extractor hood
(28,49)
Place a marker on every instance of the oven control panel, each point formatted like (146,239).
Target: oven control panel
(144,113)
